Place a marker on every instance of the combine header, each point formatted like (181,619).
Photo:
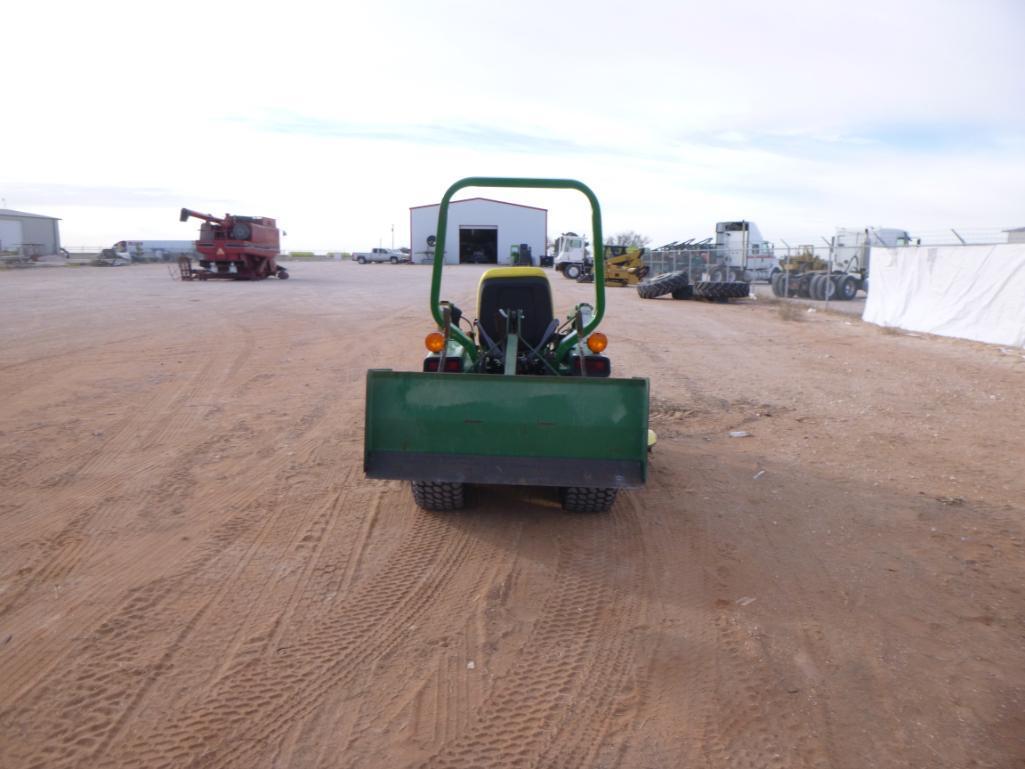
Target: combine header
(237,247)
(513,397)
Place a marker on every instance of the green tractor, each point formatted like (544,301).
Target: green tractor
(512,397)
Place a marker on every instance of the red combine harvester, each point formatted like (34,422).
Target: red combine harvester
(237,247)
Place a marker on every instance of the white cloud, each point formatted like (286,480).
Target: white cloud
(336,119)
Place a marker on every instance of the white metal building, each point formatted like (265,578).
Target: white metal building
(28,234)
(480,230)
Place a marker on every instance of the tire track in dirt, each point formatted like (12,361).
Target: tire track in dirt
(576,652)
(255,705)
(54,711)
(249,508)
(751,718)
(151,613)
(592,731)
(106,469)
(427,704)
(249,599)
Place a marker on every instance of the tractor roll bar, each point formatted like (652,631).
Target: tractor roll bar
(548,184)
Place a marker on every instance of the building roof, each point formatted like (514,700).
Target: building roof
(488,200)
(25,214)
(1015,229)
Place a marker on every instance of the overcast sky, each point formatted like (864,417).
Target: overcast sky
(335,118)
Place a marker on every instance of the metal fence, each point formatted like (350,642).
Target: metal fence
(718,263)
(693,262)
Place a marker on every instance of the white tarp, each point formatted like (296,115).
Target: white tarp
(970,292)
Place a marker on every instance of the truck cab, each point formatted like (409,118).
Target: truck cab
(571,254)
(741,253)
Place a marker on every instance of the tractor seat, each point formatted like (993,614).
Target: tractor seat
(515,288)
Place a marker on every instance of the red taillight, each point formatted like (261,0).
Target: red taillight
(452,365)
(594,365)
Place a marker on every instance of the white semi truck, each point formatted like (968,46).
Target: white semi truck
(571,254)
(741,253)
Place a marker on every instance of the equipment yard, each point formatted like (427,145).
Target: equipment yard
(194,570)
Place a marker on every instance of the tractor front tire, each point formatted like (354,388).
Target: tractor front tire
(582,499)
(663,284)
(438,496)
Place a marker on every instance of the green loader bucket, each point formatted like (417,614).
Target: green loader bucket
(517,430)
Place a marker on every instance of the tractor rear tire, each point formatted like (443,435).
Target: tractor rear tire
(687,292)
(439,496)
(663,284)
(582,499)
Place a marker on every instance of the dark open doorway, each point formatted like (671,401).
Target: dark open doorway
(478,245)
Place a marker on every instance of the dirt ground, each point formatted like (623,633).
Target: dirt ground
(194,571)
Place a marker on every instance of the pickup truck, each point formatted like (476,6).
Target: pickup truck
(381,255)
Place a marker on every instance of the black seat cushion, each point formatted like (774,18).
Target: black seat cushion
(531,294)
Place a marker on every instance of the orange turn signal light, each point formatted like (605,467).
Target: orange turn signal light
(435,341)
(597,342)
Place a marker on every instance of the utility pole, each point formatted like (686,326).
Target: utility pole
(393,237)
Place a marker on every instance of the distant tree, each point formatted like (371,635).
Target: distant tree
(627,238)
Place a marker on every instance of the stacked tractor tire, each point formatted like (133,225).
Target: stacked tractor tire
(819,285)
(678,285)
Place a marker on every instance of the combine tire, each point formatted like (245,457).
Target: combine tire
(687,292)
(707,289)
(438,495)
(663,284)
(581,499)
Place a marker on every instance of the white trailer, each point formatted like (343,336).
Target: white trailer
(153,250)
